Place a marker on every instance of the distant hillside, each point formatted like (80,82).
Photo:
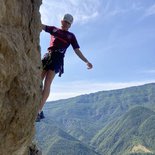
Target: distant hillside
(55,141)
(123,135)
(99,119)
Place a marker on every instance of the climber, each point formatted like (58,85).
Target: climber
(53,61)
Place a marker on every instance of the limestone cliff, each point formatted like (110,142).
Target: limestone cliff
(20,69)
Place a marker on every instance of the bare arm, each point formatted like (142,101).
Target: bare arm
(82,57)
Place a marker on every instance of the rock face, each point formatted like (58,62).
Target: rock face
(20,69)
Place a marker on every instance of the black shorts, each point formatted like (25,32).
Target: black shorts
(54,61)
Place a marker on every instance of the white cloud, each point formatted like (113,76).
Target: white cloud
(150,11)
(53,11)
(113,8)
(72,89)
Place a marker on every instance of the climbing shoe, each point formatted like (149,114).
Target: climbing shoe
(42,116)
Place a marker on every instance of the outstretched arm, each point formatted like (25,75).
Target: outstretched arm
(82,57)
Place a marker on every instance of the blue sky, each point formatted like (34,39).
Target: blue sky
(117,36)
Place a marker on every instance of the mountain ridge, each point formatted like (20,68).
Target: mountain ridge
(88,117)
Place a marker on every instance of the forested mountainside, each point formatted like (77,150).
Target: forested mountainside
(112,122)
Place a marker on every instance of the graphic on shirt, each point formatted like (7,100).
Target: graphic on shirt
(55,30)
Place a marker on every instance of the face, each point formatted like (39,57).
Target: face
(65,25)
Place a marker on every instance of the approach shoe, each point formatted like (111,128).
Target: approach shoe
(42,116)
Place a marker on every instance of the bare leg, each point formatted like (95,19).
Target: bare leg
(49,76)
(43,74)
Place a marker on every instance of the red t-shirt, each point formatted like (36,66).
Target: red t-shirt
(60,40)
